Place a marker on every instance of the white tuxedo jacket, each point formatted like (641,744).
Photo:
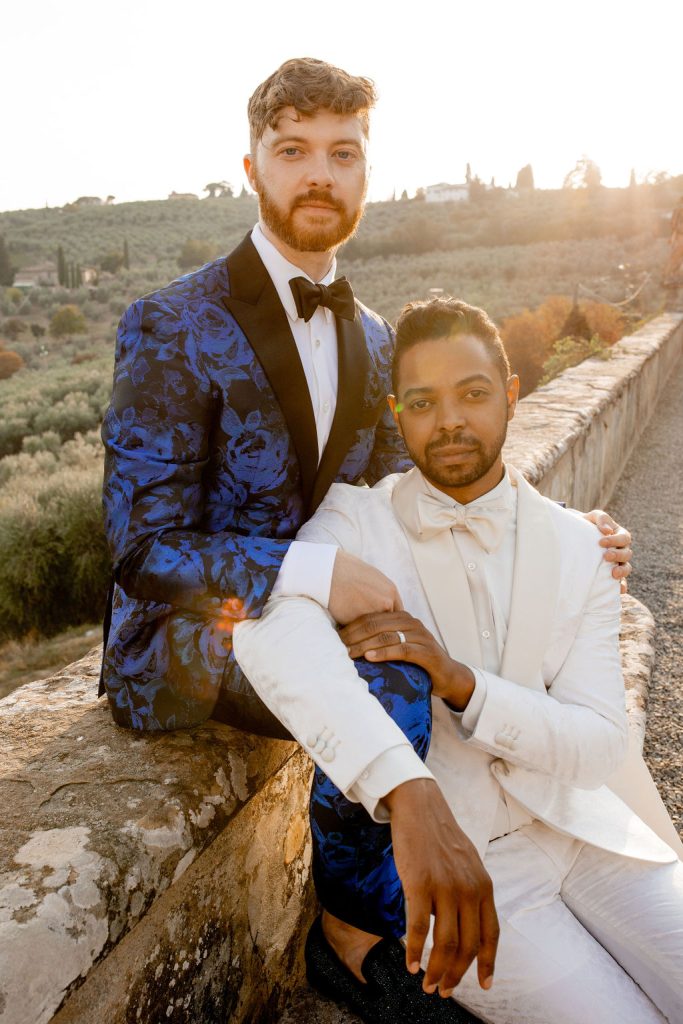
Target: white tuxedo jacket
(553,729)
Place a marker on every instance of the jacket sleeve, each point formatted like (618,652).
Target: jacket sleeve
(389,454)
(298,665)
(157,433)
(578,731)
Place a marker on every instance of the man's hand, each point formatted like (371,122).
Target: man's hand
(358,588)
(398,636)
(441,873)
(618,542)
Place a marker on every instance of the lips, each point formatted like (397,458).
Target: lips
(318,206)
(450,450)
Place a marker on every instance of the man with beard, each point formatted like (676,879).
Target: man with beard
(241,392)
(496,700)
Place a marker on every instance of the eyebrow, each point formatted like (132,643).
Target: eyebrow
(473,378)
(300,138)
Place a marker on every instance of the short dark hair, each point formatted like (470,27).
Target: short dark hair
(308,85)
(446,318)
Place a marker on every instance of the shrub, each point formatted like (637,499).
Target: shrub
(10,362)
(53,552)
(66,399)
(13,328)
(531,337)
(569,352)
(67,320)
(195,252)
(605,321)
(49,441)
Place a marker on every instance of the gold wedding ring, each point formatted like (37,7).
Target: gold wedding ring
(401,636)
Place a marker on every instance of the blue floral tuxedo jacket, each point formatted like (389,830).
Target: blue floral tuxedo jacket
(211,466)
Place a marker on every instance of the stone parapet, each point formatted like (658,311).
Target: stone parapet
(572,437)
(166,878)
(176,863)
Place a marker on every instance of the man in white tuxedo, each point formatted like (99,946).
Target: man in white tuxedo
(514,617)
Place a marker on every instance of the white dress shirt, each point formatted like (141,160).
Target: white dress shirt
(307,568)
(489,574)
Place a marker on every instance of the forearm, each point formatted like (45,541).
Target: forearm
(577,745)
(299,667)
(214,574)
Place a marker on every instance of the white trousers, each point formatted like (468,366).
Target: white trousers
(587,937)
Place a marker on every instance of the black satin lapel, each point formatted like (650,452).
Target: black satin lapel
(256,307)
(353,371)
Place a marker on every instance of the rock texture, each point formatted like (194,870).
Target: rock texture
(98,823)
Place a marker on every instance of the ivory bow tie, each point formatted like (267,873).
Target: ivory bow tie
(337,296)
(485,522)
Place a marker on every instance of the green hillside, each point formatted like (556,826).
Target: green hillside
(503,251)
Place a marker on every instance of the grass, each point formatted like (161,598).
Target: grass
(24,661)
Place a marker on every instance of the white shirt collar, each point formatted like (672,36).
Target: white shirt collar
(504,492)
(281,272)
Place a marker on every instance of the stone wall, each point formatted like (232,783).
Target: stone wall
(573,436)
(150,878)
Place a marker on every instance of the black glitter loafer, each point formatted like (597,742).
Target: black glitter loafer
(392,994)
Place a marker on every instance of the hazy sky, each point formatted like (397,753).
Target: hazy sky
(139,97)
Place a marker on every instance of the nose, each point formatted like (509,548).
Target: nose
(451,416)
(319,171)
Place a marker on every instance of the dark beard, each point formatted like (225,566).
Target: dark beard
(459,476)
(313,239)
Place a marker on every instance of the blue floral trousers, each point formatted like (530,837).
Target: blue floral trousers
(353,863)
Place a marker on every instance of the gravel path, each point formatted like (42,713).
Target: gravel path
(649,501)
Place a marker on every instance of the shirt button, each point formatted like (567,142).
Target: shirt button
(326,407)
(317,343)
(471,566)
(365,775)
(485,634)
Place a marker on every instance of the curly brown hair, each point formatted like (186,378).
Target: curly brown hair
(308,85)
(445,317)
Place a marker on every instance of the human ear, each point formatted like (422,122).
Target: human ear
(512,394)
(248,164)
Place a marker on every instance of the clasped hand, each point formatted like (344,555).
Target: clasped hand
(398,636)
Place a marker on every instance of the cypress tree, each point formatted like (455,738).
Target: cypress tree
(6,268)
(126,256)
(61,267)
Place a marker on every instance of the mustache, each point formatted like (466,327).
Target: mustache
(319,196)
(446,440)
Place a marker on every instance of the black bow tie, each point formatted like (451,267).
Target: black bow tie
(337,296)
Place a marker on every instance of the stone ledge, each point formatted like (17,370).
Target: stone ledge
(572,437)
(98,822)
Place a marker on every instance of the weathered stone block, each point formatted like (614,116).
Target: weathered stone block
(99,822)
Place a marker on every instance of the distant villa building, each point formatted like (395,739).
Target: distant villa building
(183,195)
(42,274)
(90,275)
(444,193)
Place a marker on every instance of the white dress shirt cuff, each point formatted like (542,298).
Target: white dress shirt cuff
(306,571)
(386,772)
(467,719)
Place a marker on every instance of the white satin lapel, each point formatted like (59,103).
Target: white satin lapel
(535,587)
(443,576)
